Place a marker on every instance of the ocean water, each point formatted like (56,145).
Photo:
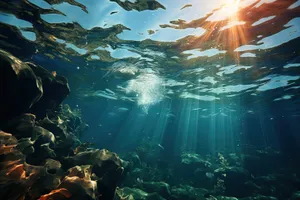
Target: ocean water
(177,83)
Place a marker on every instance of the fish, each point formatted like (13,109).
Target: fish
(160,146)
(209,175)
(113,12)
(170,115)
(110,91)
(54,73)
(122,109)
(139,180)
(223,114)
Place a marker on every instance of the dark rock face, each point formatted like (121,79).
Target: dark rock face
(160,188)
(55,88)
(107,166)
(20,88)
(135,194)
(26,87)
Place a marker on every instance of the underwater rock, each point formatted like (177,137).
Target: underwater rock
(263,161)
(21,126)
(226,198)
(195,160)
(109,168)
(100,159)
(59,194)
(193,166)
(52,127)
(106,165)
(52,166)
(279,185)
(161,188)
(20,88)
(63,140)
(234,180)
(70,120)
(55,90)
(14,171)
(79,184)
(127,193)
(187,192)
(25,145)
(260,197)
(295,196)
(7,139)
(48,180)
(45,183)
(43,136)
(134,159)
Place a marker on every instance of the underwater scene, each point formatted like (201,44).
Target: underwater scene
(150,99)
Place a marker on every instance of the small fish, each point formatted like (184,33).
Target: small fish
(111,114)
(223,114)
(123,109)
(54,73)
(150,32)
(160,146)
(114,12)
(139,180)
(195,109)
(209,175)
(170,115)
(110,91)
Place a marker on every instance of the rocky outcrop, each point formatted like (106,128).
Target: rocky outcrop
(26,87)
(127,193)
(35,170)
(20,88)
(188,192)
(161,188)
(41,157)
(55,90)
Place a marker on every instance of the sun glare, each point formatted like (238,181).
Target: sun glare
(231,6)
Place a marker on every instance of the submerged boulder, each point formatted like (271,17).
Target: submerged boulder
(127,193)
(295,196)
(188,192)
(194,160)
(26,87)
(20,88)
(21,126)
(55,90)
(161,188)
(106,165)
